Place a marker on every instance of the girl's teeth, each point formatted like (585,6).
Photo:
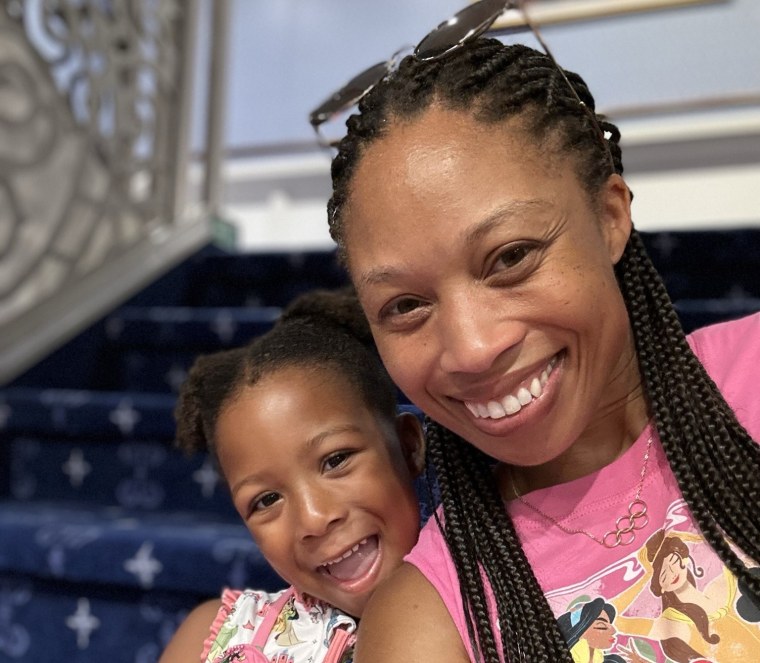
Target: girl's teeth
(544,378)
(482,410)
(346,554)
(472,408)
(535,388)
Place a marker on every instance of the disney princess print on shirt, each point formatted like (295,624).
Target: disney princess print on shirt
(671,601)
(285,627)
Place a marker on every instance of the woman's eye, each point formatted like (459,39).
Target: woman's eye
(402,311)
(402,306)
(336,460)
(407,305)
(264,501)
(514,255)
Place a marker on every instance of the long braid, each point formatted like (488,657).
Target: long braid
(451,482)
(714,460)
(716,463)
(490,542)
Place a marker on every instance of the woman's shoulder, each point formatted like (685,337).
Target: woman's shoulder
(406,620)
(730,352)
(725,339)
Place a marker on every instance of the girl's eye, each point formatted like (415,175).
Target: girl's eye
(336,460)
(513,263)
(264,501)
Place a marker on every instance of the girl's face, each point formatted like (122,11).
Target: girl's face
(323,486)
(487,277)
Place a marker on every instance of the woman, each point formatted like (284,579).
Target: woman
(480,208)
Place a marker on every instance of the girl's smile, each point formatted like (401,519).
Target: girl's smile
(327,496)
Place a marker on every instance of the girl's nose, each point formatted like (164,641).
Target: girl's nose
(318,510)
(472,336)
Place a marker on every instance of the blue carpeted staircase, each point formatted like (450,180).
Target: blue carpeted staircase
(108,536)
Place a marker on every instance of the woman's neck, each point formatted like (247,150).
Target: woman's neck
(602,442)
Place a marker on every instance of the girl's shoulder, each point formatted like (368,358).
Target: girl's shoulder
(407,620)
(255,625)
(190,637)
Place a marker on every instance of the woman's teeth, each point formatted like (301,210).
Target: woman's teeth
(513,403)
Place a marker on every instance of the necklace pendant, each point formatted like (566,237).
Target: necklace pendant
(624,533)
(626,525)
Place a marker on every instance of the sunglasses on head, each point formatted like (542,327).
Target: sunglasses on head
(465,26)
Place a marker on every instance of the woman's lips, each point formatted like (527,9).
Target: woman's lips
(510,404)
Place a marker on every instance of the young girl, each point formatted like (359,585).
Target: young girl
(479,203)
(305,428)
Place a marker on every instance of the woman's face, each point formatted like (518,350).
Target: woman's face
(487,277)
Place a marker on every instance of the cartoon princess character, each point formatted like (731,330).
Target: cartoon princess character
(695,623)
(589,632)
(283,627)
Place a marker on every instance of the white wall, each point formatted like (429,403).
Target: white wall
(279,202)
(688,169)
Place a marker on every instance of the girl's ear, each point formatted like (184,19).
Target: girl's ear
(615,216)
(412,441)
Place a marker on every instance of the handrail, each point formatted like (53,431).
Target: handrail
(94,154)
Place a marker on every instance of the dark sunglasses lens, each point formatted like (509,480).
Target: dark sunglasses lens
(468,23)
(351,92)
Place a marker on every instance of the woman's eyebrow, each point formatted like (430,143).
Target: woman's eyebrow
(502,214)
(376,276)
(512,209)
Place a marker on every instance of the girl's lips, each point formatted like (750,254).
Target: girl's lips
(357,567)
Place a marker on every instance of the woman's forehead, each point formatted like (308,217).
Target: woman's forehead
(449,186)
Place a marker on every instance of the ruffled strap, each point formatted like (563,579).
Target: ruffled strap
(273,612)
(229,597)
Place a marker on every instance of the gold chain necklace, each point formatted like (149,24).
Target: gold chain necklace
(625,526)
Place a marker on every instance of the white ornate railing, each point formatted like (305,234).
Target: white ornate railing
(94,117)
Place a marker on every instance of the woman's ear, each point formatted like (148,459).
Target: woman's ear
(412,441)
(615,216)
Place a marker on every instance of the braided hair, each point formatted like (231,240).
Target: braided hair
(321,329)
(716,463)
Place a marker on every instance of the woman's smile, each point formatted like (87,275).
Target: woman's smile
(510,404)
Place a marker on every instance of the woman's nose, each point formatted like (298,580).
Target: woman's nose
(318,510)
(472,335)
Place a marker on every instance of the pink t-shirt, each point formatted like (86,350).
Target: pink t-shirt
(574,571)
